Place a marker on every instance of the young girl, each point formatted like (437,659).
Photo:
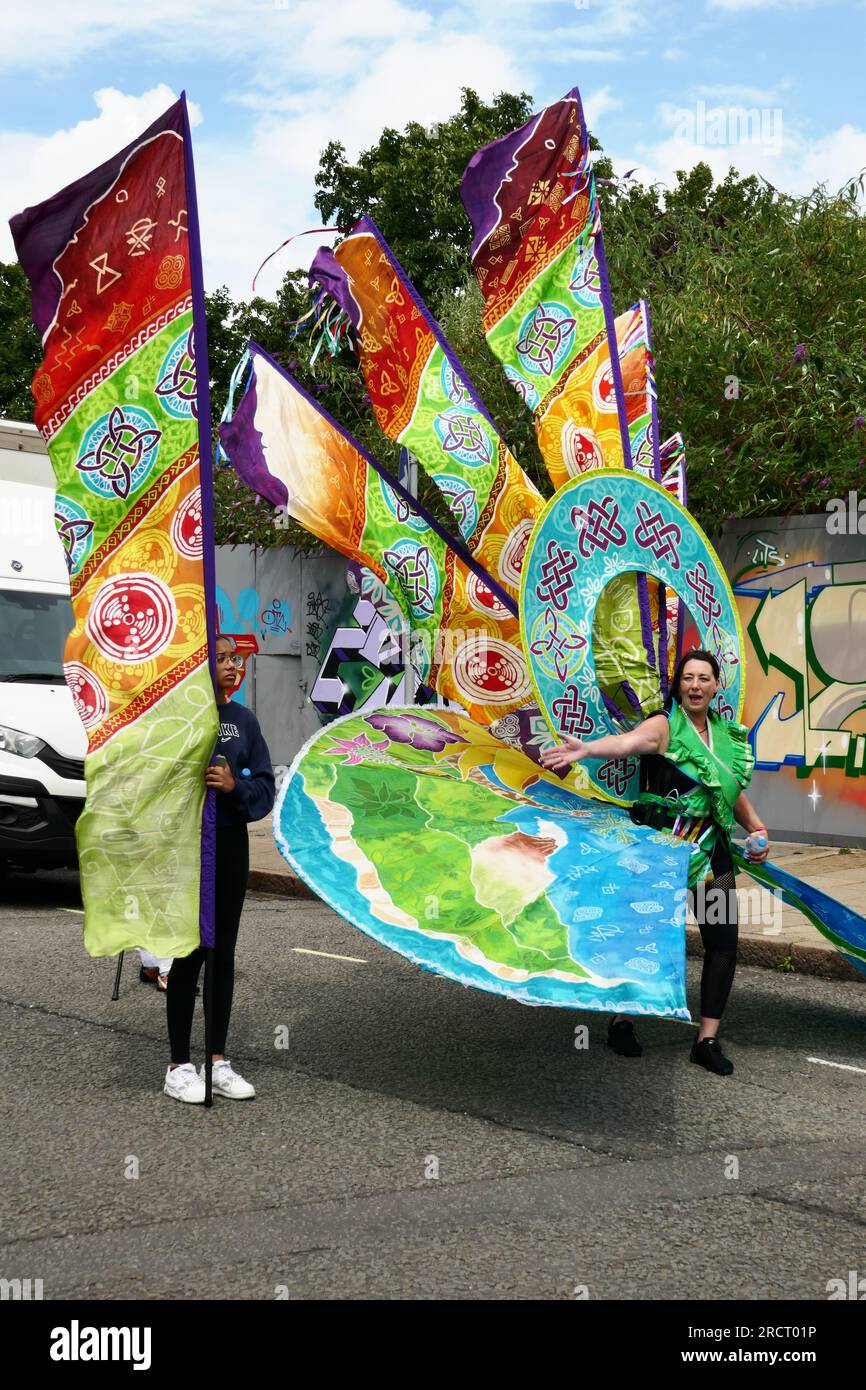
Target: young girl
(245,792)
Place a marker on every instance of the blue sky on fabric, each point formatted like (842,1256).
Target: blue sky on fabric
(771,86)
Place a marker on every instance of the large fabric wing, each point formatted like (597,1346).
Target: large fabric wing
(448,846)
(122,402)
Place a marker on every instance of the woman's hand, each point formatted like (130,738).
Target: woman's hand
(759,856)
(220,778)
(573,750)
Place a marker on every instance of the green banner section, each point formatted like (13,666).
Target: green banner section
(140,865)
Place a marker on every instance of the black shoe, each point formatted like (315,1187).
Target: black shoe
(623,1039)
(709,1054)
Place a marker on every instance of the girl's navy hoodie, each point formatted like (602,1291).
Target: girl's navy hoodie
(241,744)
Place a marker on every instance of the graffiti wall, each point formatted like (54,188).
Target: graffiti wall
(801,592)
(286,602)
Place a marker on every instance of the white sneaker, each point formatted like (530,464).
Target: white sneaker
(227,1082)
(182,1083)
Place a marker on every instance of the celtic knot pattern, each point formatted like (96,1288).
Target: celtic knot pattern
(462,434)
(412,569)
(704,591)
(556,572)
(545,338)
(616,774)
(597,526)
(72,532)
(178,384)
(585,283)
(558,646)
(121,449)
(725,656)
(571,713)
(652,534)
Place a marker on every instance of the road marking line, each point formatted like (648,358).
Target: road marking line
(304,951)
(841,1066)
(79,911)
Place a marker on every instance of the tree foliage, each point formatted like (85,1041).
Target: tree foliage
(19,344)
(409,184)
(758,304)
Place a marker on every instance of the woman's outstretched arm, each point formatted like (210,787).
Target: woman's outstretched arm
(649,737)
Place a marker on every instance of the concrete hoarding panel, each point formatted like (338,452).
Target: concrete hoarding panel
(278,586)
(323,593)
(285,600)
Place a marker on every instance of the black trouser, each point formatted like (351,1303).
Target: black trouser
(715,910)
(232,871)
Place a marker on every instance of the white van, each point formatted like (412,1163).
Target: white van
(42,739)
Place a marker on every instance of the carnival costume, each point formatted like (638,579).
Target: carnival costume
(435,831)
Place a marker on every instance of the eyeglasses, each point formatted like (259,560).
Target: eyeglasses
(234,657)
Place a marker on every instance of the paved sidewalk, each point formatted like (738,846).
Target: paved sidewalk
(784,940)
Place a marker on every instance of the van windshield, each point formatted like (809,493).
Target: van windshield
(33,631)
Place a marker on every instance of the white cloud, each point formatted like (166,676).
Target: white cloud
(598,103)
(389,65)
(34,167)
(743,6)
(257,193)
(738,93)
(301,37)
(793,164)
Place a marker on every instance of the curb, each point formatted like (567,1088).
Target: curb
(785,956)
(272,881)
(823,961)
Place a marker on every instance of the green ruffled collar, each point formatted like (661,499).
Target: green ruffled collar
(723,769)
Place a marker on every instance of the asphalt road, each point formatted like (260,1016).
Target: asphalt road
(560,1169)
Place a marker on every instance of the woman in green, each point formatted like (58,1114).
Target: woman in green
(694,767)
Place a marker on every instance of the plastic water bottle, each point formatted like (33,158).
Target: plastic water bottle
(755,843)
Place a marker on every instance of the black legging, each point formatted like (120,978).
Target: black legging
(232,871)
(718,902)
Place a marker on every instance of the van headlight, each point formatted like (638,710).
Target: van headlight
(25,745)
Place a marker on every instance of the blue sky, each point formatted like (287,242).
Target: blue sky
(772,86)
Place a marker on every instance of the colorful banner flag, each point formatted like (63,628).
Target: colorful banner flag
(672,476)
(672,461)
(122,402)
(423,398)
(538,253)
(465,636)
(634,345)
